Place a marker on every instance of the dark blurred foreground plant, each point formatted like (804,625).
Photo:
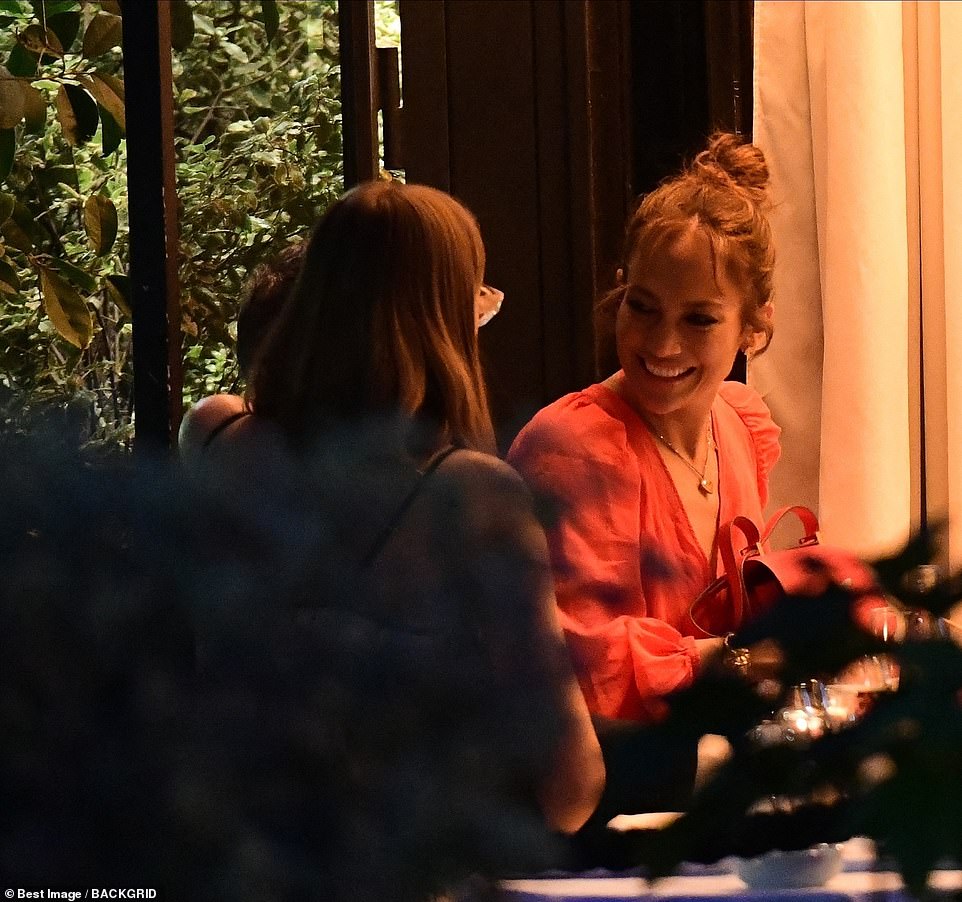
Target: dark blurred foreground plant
(895,776)
(339,755)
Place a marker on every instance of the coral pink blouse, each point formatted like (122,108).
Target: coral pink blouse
(626,562)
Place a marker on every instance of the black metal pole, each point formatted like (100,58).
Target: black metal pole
(358,91)
(147,80)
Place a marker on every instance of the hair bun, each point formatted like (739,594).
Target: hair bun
(743,163)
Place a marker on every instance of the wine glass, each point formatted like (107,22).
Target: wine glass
(804,710)
(853,691)
(889,624)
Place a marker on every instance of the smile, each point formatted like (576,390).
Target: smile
(667,372)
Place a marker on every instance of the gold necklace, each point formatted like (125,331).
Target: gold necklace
(705,485)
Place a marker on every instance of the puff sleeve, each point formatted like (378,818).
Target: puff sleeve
(762,429)
(575,455)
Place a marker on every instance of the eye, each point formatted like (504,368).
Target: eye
(701,320)
(636,305)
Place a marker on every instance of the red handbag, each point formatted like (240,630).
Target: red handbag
(755,577)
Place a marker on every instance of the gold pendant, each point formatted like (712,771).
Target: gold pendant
(705,486)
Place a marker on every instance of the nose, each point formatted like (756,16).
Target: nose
(663,340)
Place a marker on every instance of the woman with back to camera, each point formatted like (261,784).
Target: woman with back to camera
(381,327)
(212,417)
(646,464)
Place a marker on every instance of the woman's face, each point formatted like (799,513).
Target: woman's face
(678,328)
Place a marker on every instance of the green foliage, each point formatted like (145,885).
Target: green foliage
(64,325)
(387,23)
(258,143)
(257,138)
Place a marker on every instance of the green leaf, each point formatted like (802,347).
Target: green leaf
(77,112)
(9,280)
(65,26)
(13,7)
(11,99)
(51,8)
(109,93)
(34,109)
(8,149)
(58,175)
(235,52)
(7,202)
(103,33)
(111,81)
(27,221)
(66,309)
(79,277)
(100,222)
(118,290)
(16,236)
(270,18)
(41,41)
(181,24)
(22,62)
(111,134)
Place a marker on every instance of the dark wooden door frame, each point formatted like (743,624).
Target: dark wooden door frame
(152,205)
(519,109)
(358,91)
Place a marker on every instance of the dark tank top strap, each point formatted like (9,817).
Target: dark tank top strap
(424,474)
(222,425)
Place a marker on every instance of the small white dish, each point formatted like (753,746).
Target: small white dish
(654,820)
(794,869)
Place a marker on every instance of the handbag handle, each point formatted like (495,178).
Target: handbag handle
(752,545)
(732,557)
(808,520)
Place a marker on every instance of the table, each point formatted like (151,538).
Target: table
(861,880)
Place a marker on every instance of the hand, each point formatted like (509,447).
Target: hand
(765,658)
(711,652)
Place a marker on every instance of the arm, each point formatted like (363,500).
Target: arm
(201,420)
(503,525)
(625,657)
(573,788)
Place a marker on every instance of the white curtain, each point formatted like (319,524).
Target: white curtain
(859,112)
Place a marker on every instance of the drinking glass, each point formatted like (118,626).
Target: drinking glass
(804,710)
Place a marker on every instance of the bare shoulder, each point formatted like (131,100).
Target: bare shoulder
(495,499)
(241,439)
(204,417)
(483,471)
(466,461)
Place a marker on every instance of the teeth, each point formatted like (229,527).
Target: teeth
(666,372)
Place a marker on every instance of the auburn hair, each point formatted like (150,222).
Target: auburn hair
(381,320)
(723,193)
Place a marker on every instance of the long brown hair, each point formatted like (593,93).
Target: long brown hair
(381,320)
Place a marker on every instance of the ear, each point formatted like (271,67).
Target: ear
(751,337)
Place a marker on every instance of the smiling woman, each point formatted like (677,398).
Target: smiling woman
(645,465)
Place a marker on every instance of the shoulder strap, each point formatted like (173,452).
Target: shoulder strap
(386,533)
(732,556)
(222,425)
(808,520)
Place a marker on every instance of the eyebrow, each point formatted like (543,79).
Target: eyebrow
(698,303)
